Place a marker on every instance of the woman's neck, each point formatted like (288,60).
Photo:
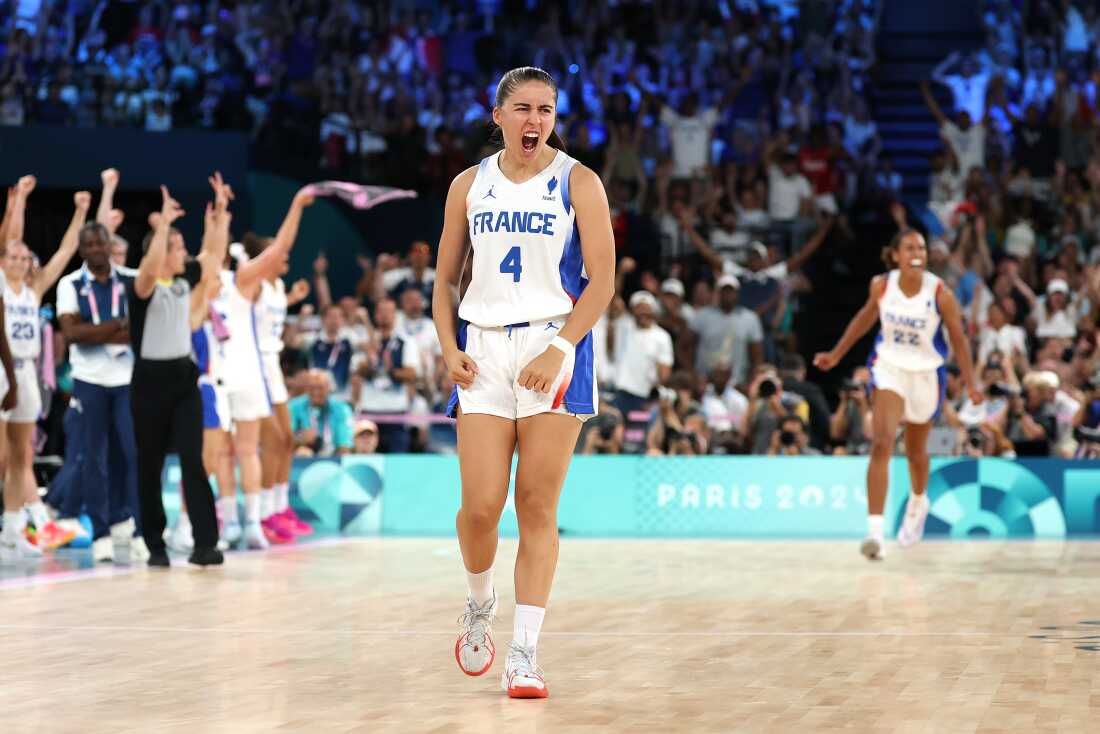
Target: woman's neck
(519,171)
(16,284)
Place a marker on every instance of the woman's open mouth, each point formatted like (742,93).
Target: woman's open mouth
(530,140)
(917,262)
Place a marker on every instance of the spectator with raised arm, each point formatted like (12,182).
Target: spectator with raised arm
(965,137)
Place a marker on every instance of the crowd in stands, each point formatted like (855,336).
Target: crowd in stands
(732,137)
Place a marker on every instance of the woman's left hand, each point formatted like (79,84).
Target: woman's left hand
(540,374)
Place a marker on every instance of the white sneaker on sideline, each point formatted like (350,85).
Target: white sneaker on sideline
(873,548)
(103,550)
(17,548)
(254,537)
(180,539)
(122,539)
(474,649)
(912,527)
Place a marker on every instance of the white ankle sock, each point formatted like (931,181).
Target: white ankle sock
(39,515)
(267,503)
(480,585)
(252,507)
(874,526)
(282,497)
(527,624)
(13,525)
(228,506)
(915,498)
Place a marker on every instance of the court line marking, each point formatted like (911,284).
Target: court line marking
(448,633)
(105,571)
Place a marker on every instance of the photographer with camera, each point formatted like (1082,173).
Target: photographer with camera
(768,404)
(790,439)
(1031,421)
(680,428)
(850,424)
(604,433)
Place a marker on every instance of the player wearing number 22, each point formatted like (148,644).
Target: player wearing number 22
(907,375)
(537,225)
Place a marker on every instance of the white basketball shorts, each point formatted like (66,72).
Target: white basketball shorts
(502,352)
(29,398)
(273,373)
(922,391)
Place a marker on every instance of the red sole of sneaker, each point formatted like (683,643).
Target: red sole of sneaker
(528,693)
(483,671)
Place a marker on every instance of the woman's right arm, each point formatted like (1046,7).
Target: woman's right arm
(864,319)
(448,269)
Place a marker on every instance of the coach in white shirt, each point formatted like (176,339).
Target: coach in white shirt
(646,356)
(92,306)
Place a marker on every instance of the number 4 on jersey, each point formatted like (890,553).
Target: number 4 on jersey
(512,264)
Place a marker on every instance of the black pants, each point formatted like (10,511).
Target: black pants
(167,410)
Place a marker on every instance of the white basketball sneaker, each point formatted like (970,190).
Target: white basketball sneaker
(254,537)
(16,548)
(522,678)
(912,527)
(873,548)
(179,538)
(474,649)
(103,550)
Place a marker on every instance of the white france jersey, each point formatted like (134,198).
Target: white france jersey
(242,348)
(527,253)
(911,337)
(21,322)
(271,316)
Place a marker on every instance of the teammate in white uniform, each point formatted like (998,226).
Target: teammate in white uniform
(249,399)
(276,436)
(543,271)
(907,374)
(21,328)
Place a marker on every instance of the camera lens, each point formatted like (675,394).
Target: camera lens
(788,438)
(767,389)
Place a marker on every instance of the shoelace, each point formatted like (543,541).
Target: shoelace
(521,662)
(478,620)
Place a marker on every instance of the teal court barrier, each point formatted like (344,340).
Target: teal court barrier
(706,497)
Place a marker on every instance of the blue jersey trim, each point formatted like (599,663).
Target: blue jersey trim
(566,170)
(452,403)
(572,265)
(578,396)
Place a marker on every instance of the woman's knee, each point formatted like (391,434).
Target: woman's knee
(480,517)
(534,512)
(881,447)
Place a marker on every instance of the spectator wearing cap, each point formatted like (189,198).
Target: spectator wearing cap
(675,317)
(729,334)
(321,423)
(366,436)
(1051,317)
(646,357)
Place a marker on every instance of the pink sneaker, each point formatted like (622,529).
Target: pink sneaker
(297,525)
(277,531)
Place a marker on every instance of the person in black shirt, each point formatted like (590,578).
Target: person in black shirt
(166,404)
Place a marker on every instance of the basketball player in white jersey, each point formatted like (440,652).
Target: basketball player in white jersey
(538,227)
(276,437)
(21,326)
(908,375)
(249,401)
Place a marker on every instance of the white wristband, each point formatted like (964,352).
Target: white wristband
(564,345)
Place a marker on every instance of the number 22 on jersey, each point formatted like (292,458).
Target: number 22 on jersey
(512,264)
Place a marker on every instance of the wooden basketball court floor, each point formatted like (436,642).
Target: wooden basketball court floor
(655,636)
